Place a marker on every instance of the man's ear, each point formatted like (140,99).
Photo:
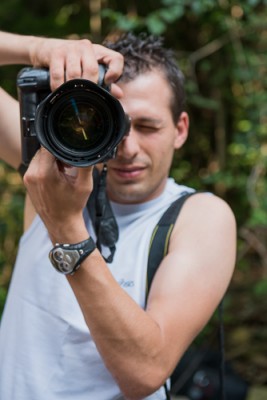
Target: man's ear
(182,128)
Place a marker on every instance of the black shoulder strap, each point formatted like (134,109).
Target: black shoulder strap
(159,242)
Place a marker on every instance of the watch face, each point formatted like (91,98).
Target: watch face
(64,260)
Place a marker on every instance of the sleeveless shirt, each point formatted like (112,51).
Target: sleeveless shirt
(46,350)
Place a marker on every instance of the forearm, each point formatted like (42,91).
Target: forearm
(16,49)
(9,130)
(130,342)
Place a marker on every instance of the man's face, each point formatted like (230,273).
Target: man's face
(141,167)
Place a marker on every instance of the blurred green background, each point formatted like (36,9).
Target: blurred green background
(221,48)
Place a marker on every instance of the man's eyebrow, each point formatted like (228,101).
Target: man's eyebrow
(148,120)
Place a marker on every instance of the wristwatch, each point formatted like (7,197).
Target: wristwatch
(67,258)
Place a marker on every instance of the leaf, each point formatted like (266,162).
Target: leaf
(260,288)
(253,3)
(171,14)
(203,102)
(155,24)
(174,2)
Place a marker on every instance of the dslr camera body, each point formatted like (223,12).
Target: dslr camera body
(80,123)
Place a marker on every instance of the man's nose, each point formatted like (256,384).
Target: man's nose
(129,146)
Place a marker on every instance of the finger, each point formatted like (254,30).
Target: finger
(33,163)
(73,67)
(90,69)
(76,58)
(31,176)
(57,73)
(46,163)
(116,91)
(65,63)
(88,61)
(113,60)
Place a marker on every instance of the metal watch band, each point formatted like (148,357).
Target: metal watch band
(67,258)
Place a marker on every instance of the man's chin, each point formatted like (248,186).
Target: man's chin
(128,194)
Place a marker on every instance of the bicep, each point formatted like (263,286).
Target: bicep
(195,274)
(9,130)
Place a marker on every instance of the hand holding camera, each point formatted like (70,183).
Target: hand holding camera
(80,123)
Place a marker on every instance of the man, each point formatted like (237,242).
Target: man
(89,335)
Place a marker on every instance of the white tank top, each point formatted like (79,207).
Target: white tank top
(46,351)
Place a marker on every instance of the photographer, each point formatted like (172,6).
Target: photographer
(91,335)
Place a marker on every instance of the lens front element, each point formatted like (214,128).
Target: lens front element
(79,125)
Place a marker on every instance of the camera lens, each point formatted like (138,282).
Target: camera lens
(80,123)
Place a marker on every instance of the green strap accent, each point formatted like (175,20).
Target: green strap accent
(165,248)
(159,242)
(167,239)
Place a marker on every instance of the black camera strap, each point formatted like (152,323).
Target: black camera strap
(100,211)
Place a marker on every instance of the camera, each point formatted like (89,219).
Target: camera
(80,122)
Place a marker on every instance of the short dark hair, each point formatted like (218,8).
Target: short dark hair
(143,53)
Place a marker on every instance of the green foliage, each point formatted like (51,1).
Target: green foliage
(3,293)
(11,215)
(260,288)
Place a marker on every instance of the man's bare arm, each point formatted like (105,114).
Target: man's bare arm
(9,130)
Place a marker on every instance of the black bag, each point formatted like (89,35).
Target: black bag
(196,377)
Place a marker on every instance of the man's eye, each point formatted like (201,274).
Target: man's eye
(146,128)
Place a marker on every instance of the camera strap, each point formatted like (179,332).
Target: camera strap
(100,211)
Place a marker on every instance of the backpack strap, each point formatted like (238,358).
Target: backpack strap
(159,242)
(158,249)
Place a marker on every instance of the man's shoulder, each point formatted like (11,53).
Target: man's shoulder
(207,210)
(209,202)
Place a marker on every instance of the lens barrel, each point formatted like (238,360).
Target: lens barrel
(81,123)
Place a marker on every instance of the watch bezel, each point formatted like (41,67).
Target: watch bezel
(67,258)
